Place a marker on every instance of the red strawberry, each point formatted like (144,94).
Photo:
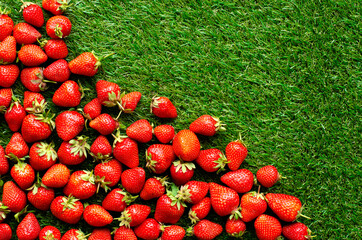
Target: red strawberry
(110,172)
(33,79)
(172,232)
(200,210)
(153,188)
(13,197)
(56,176)
(24,33)
(297,231)
(6,25)
(55,48)
(133,180)
(58,71)
(235,153)
(17,146)
(28,228)
(5,229)
(8,75)
(58,27)
(67,209)
(267,227)
(159,157)
(49,232)
(4,210)
(150,229)
(42,156)
(15,115)
(100,234)
(92,109)
(164,133)
(194,191)
(86,64)
(101,149)
(105,124)
(124,233)
(162,107)
(288,208)
(40,196)
(134,215)
(6,95)
(268,176)
(108,93)
(140,131)
(33,14)
(81,185)
(69,124)
(32,55)
(235,228)
(211,160)
(34,102)
(117,200)
(96,216)
(74,234)
(23,174)
(129,101)
(7,49)
(186,145)
(224,200)
(206,230)
(241,180)
(181,172)
(4,164)
(125,150)
(252,205)
(206,125)
(37,128)
(67,95)
(56,7)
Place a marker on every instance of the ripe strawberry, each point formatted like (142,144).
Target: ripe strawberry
(288,208)
(125,150)
(297,231)
(267,227)
(8,75)
(162,107)
(4,164)
(268,176)
(159,157)
(49,232)
(172,232)
(108,93)
(181,172)
(58,27)
(206,230)
(56,176)
(56,7)
(133,180)
(33,79)
(6,25)
(33,14)
(6,95)
(37,128)
(7,50)
(5,229)
(67,95)
(4,210)
(96,216)
(153,188)
(81,185)
(241,180)
(58,71)
(200,210)
(101,149)
(235,228)
(193,191)
(124,233)
(224,200)
(55,48)
(69,124)
(150,229)
(105,124)
(32,55)
(92,109)
(134,215)
(23,174)
(86,64)
(67,209)
(164,133)
(109,172)
(74,234)
(129,101)
(40,196)
(100,234)
(117,200)
(28,228)
(206,125)
(34,103)
(13,197)
(17,146)
(252,205)
(15,115)
(24,33)
(140,131)
(235,153)
(186,145)
(42,156)
(212,160)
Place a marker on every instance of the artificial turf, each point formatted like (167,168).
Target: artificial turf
(285,75)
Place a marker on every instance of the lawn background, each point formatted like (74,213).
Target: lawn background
(285,75)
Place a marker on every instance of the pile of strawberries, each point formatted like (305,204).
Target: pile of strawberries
(63,192)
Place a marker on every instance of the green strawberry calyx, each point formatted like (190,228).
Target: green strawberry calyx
(125,219)
(47,149)
(37,107)
(101,183)
(79,146)
(81,235)
(46,117)
(118,138)
(219,126)
(184,193)
(4,210)
(58,31)
(163,181)
(184,166)
(88,176)
(64,4)
(172,193)
(69,202)
(25,5)
(100,59)
(154,103)
(237,234)
(5,11)
(37,185)
(221,163)
(128,198)
(49,235)
(236,214)
(193,217)
(150,162)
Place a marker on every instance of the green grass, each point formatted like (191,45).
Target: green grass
(286,75)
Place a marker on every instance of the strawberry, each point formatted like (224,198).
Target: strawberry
(235,153)
(181,172)
(96,216)
(86,64)
(117,200)
(58,71)
(67,209)
(241,180)
(207,230)
(8,75)
(40,196)
(224,200)
(5,229)
(288,208)
(55,48)
(211,160)
(134,215)
(37,127)
(186,145)
(129,101)
(56,7)
(81,185)
(125,150)
(124,233)
(105,124)
(172,232)
(15,115)
(235,228)
(17,146)
(23,174)
(6,95)
(164,133)
(42,156)
(267,227)
(32,55)
(13,197)
(92,109)
(101,149)
(133,180)
(200,210)
(58,27)
(24,33)
(297,231)
(49,232)
(108,93)
(162,107)
(109,171)
(4,164)
(33,79)
(69,124)
(100,233)
(150,229)
(34,103)
(159,157)
(56,176)
(74,234)
(194,191)
(140,131)
(4,210)
(6,25)
(153,188)
(268,176)
(28,228)
(7,50)
(252,205)
(207,125)
(33,14)
(67,95)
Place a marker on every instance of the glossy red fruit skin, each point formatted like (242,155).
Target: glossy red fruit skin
(153,188)
(179,177)
(207,230)
(100,234)
(28,228)
(66,213)
(61,22)
(197,189)
(165,212)
(200,210)
(137,213)
(186,145)
(148,230)
(85,64)
(126,152)
(8,50)
(58,71)
(286,207)
(33,15)
(105,124)
(32,55)
(159,157)
(267,227)
(235,227)
(34,130)
(8,75)
(241,180)
(32,78)
(236,153)
(66,156)
(29,99)
(14,116)
(73,234)
(5,97)
(40,163)
(24,33)
(129,101)
(164,133)
(141,131)
(56,49)
(133,180)
(162,107)
(49,231)
(114,201)
(4,163)
(205,125)
(211,160)
(13,197)
(6,232)
(96,216)
(111,171)
(54,6)
(92,109)
(124,233)
(224,200)
(105,90)
(79,188)
(23,174)
(296,231)
(69,124)
(67,95)
(267,176)
(173,232)
(17,146)
(252,205)
(41,198)
(6,26)
(101,148)
(56,176)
